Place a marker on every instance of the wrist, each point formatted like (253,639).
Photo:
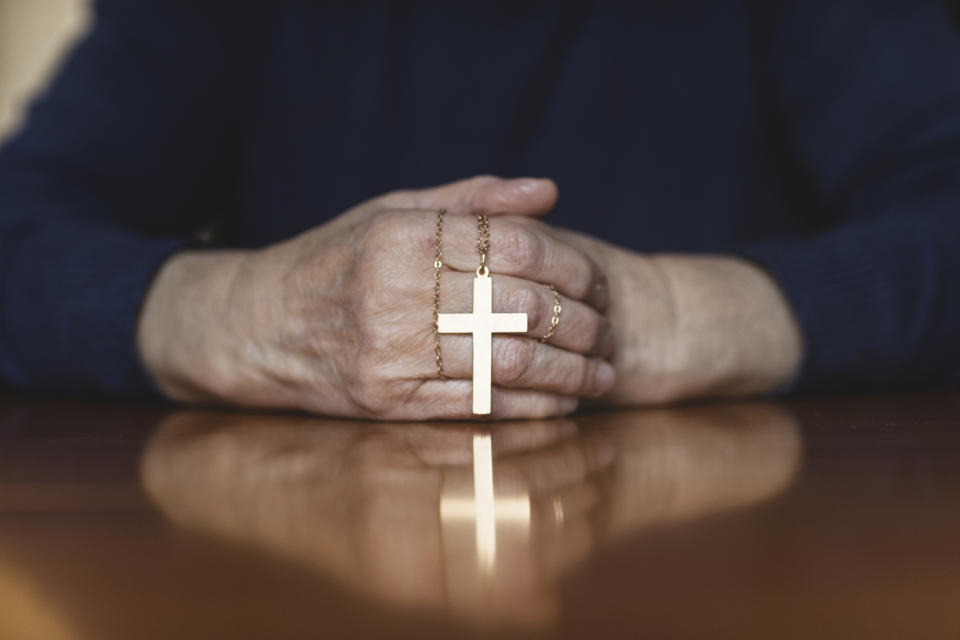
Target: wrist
(693,326)
(734,330)
(181,317)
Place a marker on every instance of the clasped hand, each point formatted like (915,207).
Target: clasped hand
(338,320)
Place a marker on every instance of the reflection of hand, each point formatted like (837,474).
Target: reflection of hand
(675,464)
(362,502)
(338,319)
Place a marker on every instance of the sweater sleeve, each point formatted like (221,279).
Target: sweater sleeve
(116,167)
(869,93)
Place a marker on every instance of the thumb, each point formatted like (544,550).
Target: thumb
(482,194)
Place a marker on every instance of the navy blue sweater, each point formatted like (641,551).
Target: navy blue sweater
(820,139)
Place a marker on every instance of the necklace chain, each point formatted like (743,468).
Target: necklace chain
(483,239)
(483,246)
(437,266)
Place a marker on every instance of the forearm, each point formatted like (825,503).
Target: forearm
(694,326)
(72,292)
(102,183)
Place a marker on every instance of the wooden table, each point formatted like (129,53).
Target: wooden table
(831,517)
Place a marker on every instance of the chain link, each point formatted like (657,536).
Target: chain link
(556,313)
(437,267)
(483,246)
(483,239)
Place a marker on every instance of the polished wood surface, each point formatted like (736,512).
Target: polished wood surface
(833,517)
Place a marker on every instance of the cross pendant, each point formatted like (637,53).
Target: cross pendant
(482,323)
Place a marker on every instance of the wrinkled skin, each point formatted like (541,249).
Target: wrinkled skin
(338,320)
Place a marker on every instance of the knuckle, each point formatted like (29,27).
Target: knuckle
(401,225)
(527,299)
(365,389)
(579,328)
(483,180)
(521,248)
(392,199)
(371,300)
(379,233)
(514,357)
(386,226)
(397,199)
(478,198)
(394,237)
(500,200)
(364,375)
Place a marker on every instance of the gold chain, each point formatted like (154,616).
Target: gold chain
(483,242)
(556,313)
(437,266)
(483,246)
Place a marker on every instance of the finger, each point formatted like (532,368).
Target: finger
(441,443)
(453,399)
(580,329)
(528,364)
(570,463)
(526,251)
(481,194)
(514,438)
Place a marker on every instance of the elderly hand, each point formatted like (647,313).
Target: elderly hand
(692,326)
(339,319)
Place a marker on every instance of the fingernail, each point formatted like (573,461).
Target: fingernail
(568,404)
(607,343)
(606,376)
(601,294)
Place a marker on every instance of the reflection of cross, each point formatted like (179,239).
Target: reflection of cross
(482,323)
(485,510)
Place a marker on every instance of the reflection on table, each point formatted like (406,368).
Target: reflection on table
(480,522)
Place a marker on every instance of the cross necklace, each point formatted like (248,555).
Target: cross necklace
(481,323)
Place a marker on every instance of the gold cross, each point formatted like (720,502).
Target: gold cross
(482,323)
